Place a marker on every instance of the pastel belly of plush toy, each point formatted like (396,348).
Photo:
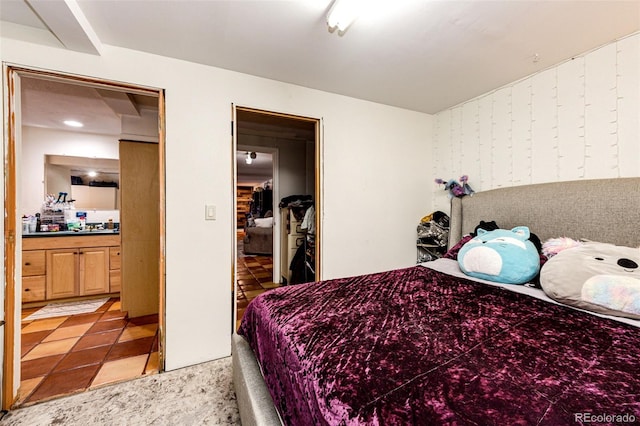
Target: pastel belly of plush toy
(501,255)
(615,292)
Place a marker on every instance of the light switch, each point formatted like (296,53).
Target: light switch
(209,212)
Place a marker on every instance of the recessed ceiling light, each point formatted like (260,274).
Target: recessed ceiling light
(250,157)
(73,123)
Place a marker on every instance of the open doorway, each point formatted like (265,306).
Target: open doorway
(254,219)
(67,202)
(285,152)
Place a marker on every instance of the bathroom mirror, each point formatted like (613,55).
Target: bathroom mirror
(92,182)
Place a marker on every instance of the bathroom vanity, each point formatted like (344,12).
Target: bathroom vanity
(69,265)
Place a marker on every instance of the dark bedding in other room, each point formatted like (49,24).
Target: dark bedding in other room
(416,346)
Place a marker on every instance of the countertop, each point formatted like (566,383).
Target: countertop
(71,233)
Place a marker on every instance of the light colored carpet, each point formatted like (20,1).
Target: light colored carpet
(198,395)
(67,308)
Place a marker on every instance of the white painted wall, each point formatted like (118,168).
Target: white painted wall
(374,193)
(376,182)
(577,120)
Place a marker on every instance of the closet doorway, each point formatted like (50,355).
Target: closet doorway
(276,159)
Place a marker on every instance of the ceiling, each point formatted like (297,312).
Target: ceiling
(48,103)
(415,54)
(259,171)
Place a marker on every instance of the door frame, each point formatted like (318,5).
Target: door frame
(12,235)
(318,194)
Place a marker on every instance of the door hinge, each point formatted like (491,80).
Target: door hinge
(232,128)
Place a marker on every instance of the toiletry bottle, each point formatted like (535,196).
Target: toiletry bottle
(110,224)
(38,222)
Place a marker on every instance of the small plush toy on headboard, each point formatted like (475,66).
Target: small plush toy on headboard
(456,189)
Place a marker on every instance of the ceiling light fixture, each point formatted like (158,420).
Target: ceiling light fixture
(250,157)
(73,123)
(343,13)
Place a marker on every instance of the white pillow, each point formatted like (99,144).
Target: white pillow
(265,222)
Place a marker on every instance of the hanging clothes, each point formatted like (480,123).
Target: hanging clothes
(309,221)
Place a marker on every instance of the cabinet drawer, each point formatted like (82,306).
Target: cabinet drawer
(296,229)
(295,241)
(293,224)
(114,258)
(33,263)
(33,289)
(114,281)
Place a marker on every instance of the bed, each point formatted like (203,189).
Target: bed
(428,345)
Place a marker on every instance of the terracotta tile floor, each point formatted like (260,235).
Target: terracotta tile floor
(255,275)
(65,355)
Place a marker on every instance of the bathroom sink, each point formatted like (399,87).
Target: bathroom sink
(71,233)
(93,231)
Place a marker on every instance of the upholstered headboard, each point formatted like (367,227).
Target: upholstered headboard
(605,210)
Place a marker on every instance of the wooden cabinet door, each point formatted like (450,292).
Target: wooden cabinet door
(139,228)
(94,271)
(62,273)
(114,258)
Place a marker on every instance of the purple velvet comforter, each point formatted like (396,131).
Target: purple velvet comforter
(415,346)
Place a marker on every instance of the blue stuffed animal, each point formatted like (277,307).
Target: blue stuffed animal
(501,255)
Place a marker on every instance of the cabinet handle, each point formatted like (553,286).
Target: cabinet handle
(118,254)
(27,263)
(27,289)
(81,252)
